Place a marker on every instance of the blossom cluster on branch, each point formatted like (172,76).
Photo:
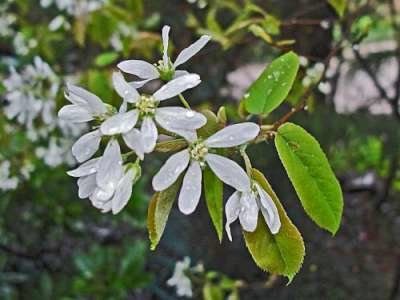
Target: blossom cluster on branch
(107,180)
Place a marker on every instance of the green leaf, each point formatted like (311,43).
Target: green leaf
(311,175)
(105,59)
(171,146)
(212,125)
(339,6)
(273,85)
(213,191)
(282,253)
(158,212)
(258,31)
(212,292)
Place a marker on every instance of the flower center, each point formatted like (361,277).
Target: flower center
(166,71)
(146,105)
(198,151)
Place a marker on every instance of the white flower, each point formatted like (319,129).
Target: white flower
(165,69)
(174,119)
(197,155)
(7,182)
(85,106)
(31,93)
(181,280)
(105,181)
(246,205)
(75,8)
(56,153)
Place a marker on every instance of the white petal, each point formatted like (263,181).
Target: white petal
(232,209)
(190,193)
(109,168)
(165,40)
(269,210)
(87,186)
(190,51)
(124,89)
(177,86)
(228,171)
(79,96)
(189,135)
(171,170)
(134,140)
(75,114)
(248,215)
(86,146)
(140,83)
(140,68)
(233,135)
(119,123)
(149,134)
(85,169)
(123,192)
(179,73)
(106,207)
(171,118)
(101,195)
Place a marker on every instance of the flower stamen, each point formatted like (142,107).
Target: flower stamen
(198,150)
(146,105)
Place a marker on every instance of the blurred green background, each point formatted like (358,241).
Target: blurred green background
(56,246)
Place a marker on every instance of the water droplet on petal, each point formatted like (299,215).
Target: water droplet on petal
(190,114)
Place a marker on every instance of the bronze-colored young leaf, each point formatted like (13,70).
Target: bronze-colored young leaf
(311,175)
(171,145)
(213,191)
(157,215)
(282,253)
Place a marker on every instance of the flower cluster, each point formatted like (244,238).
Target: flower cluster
(74,7)
(107,180)
(30,102)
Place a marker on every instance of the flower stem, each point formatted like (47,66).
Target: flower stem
(247,161)
(184,102)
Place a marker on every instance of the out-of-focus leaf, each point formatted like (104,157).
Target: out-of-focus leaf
(282,253)
(79,29)
(213,191)
(212,292)
(258,31)
(158,212)
(105,59)
(339,6)
(311,175)
(273,85)
(271,25)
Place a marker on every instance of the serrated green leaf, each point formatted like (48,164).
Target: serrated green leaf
(105,59)
(311,175)
(282,253)
(159,208)
(213,191)
(273,85)
(339,6)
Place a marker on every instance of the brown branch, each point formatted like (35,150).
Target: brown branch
(394,164)
(396,281)
(303,101)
